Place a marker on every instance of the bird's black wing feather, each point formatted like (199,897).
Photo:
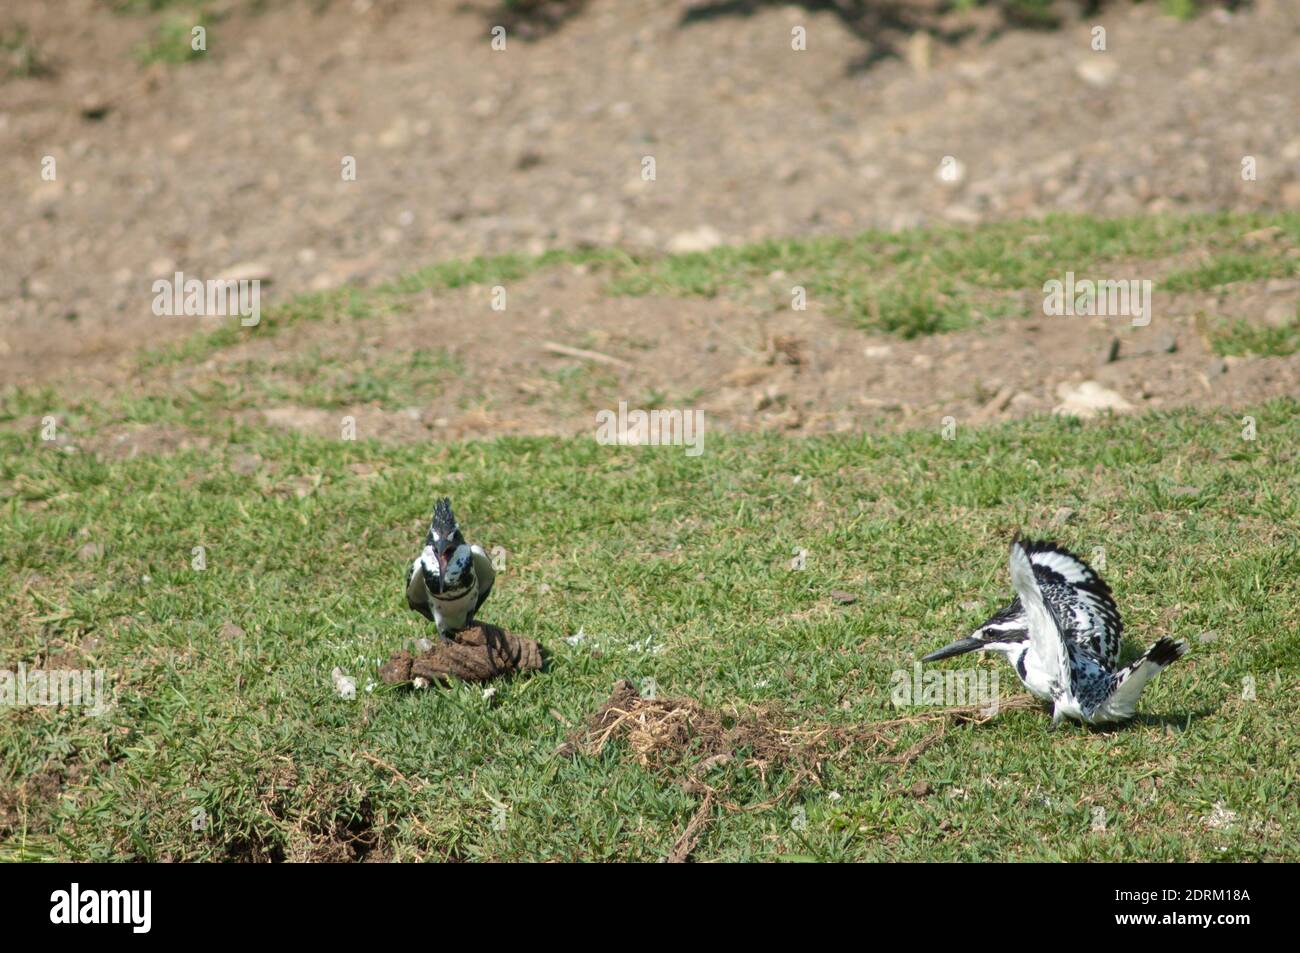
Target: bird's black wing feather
(485,574)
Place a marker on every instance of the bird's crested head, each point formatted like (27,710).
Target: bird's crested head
(443,525)
(449,546)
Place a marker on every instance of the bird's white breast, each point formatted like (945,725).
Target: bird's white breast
(1038,677)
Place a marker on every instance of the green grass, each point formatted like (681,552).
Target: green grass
(1231,268)
(1181,9)
(389,297)
(931,280)
(677,570)
(311,379)
(1239,338)
(925,281)
(172,39)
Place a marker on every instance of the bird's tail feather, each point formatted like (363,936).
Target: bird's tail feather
(1133,678)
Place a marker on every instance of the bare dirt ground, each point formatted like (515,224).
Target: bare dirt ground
(233,162)
(748,365)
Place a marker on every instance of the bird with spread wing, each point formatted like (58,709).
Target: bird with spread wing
(1061,634)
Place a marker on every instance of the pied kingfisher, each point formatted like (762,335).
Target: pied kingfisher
(451,579)
(1062,636)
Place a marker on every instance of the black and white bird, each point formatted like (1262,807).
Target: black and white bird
(1061,634)
(451,579)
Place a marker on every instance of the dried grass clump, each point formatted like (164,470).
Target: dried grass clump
(679,733)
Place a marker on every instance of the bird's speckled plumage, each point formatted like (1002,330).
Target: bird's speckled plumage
(451,579)
(1062,634)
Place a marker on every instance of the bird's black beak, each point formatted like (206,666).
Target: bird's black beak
(960,647)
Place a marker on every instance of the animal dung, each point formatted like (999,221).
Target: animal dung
(478,653)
